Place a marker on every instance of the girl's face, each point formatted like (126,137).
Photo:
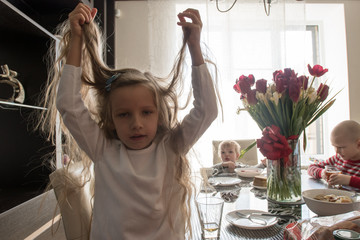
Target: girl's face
(135,115)
(228,153)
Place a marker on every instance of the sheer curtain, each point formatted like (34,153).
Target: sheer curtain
(243,40)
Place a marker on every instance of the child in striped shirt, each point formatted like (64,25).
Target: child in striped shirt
(345,138)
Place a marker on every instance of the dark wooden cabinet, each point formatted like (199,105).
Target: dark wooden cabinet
(24,168)
(25,34)
(26,30)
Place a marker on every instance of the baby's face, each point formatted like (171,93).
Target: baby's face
(228,154)
(348,150)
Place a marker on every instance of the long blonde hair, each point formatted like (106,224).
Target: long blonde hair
(94,75)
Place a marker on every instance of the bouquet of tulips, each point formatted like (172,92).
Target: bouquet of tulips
(290,102)
(282,110)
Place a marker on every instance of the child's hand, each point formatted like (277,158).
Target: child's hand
(263,161)
(323,174)
(339,179)
(192,32)
(229,165)
(79,16)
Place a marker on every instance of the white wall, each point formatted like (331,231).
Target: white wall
(131,42)
(352,19)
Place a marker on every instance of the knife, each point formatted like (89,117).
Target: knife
(274,215)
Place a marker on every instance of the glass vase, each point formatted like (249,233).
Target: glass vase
(284,177)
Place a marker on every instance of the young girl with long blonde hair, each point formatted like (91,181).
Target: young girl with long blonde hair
(126,122)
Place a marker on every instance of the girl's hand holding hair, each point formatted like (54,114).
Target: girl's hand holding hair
(192,33)
(79,16)
(82,14)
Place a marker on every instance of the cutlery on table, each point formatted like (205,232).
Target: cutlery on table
(249,217)
(274,215)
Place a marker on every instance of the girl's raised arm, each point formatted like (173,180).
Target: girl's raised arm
(192,32)
(81,15)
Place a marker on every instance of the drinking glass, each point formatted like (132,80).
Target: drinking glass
(210,211)
(330,170)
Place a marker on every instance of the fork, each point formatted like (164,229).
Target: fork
(254,220)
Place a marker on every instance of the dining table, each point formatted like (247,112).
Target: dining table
(248,197)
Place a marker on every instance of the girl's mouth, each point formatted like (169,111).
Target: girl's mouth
(137,137)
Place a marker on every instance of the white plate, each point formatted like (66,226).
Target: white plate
(234,219)
(224,181)
(258,187)
(248,172)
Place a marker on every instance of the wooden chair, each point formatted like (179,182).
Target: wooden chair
(250,158)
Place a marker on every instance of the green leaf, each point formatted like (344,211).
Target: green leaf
(242,152)
(304,140)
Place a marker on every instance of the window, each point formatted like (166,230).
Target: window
(243,41)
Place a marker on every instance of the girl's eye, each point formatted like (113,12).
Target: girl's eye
(122,115)
(147,112)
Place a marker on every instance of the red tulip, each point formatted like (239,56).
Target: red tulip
(323,91)
(294,89)
(288,72)
(273,144)
(317,70)
(251,97)
(251,79)
(261,85)
(276,73)
(243,84)
(304,81)
(237,87)
(280,81)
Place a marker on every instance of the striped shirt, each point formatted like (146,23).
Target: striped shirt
(348,167)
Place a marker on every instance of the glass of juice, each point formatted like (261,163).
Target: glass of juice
(330,170)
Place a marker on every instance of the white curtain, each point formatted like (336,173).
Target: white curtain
(243,40)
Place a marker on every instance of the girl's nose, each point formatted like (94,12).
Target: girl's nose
(136,122)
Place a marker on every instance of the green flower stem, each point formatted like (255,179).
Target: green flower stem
(284,178)
(284,183)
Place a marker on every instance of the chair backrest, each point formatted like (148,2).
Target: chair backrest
(75,202)
(250,158)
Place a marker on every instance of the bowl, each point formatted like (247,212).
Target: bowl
(248,172)
(323,208)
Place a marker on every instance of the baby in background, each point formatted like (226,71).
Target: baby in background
(229,152)
(345,138)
